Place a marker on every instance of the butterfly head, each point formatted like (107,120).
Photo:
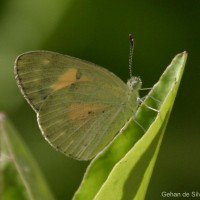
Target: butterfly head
(134,83)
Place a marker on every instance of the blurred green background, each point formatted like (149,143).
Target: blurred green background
(97,31)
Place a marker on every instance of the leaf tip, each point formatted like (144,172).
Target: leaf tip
(184,53)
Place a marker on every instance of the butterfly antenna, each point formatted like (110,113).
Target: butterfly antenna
(131,41)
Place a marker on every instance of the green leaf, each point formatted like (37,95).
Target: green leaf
(20,177)
(123,170)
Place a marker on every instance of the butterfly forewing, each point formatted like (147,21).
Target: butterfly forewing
(41,73)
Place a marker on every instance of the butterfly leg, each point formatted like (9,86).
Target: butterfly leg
(140,125)
(141,101)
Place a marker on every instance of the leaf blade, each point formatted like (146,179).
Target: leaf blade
(21,176)
(160,97)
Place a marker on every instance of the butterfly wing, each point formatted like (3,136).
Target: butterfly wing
(80,106)
(81,119)
(41,73)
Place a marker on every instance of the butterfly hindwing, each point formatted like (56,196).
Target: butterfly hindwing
(79,121)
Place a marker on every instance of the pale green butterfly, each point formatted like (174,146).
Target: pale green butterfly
(80,106)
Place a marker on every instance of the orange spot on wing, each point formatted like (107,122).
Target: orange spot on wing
(68,78)
(65,79)
(79,111)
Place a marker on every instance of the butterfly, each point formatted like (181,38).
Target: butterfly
(80,106)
